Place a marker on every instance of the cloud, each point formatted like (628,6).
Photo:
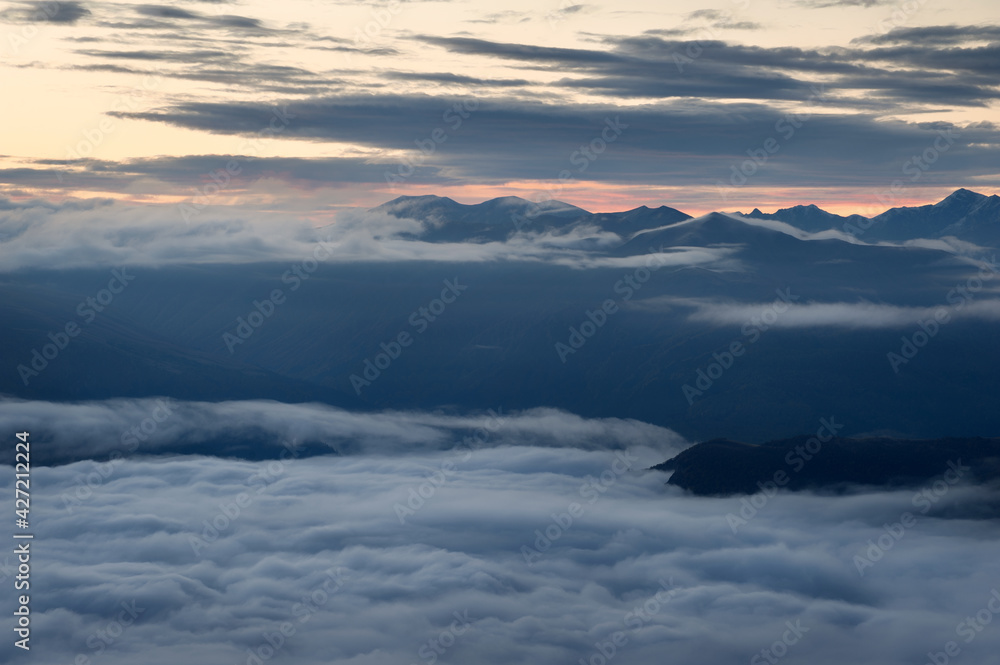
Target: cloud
(859,315)
(725,597)
(64,12)
(172,56)
(651,66)
(689,119)
(41,235)
(95,429)
(947,35)
(689,142)
(164,11)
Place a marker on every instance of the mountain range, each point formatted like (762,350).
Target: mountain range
(702,324)
(964,214)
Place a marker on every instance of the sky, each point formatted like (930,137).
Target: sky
(308,107)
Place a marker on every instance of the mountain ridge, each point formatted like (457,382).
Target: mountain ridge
(965,214)
(724,467)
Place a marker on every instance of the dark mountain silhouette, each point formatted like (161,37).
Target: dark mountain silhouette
(724,467)
(809,218)
(498,219)
(447,220)
(963,214)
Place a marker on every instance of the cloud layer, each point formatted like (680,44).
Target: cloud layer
(143,535)
(859,315)
(38,234)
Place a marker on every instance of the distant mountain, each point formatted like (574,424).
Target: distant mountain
(722,467)
(809,218)
(630,222)
(963,214)
(447,220)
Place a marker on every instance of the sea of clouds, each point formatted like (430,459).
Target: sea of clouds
(474,538)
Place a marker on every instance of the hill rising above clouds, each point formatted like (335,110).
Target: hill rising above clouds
(725,467)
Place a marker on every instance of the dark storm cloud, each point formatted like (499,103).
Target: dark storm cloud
(46,12)
(651,66)
(212,582)
(935,34)
(218,21)
(163,11)
(683,142)
(982,60)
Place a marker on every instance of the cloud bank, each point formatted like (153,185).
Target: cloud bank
(319,549)
(38,234)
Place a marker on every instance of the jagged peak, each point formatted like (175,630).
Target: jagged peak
(962,195)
